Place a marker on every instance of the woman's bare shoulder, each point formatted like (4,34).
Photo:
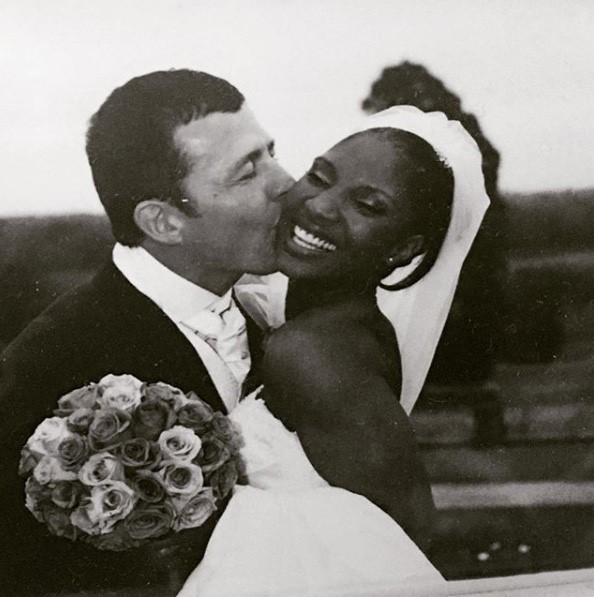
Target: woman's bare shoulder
(336,333)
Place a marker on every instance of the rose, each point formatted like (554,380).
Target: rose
(81,520)
(223,480)
(150,521)
(85,397)
(72,452)
(36,490)
(213,454)
(101,468)
(48,435)
(36,493)
(109,428)
(149,486)
(196,415)
(227,431)
(66,494)
(181,478)
(107,504)
(58,521)
(120,391)
(118,539)
(152,417)
(80,420)
(139,452)
(171,396)
(28,462)
(179,443)
(111,502)
(196,511)
(48,470)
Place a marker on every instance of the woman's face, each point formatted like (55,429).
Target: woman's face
(348,214)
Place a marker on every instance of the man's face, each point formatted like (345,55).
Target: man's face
(233,184)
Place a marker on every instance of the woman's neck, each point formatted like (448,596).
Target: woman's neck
(306,294)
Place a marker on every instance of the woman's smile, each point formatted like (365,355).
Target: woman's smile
(310,241)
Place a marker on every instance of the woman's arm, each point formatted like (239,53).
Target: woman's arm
(326,385)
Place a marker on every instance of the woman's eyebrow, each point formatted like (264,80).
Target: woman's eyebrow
(326,166)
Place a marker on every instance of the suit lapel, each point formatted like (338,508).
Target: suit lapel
(153,342)
(256,345)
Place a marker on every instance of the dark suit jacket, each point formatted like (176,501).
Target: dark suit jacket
(105,326)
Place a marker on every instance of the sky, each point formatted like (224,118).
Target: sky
(525,68)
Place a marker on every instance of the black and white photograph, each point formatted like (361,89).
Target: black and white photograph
(296,298)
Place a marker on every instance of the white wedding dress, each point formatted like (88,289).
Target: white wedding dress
(289,533)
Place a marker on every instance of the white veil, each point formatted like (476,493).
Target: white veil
(418,313)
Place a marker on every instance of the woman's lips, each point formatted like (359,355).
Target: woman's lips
(310,241)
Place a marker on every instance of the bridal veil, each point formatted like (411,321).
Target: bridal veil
(419,312)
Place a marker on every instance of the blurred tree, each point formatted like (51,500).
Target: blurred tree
(473,331)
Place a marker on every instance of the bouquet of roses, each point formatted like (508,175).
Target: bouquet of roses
(124,462)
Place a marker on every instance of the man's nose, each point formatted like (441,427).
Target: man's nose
(282,181)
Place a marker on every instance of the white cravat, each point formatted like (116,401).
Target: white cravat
(198,314)
(222,326)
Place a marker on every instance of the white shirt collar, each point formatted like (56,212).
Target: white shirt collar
(177,297)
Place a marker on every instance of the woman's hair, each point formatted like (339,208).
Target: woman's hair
(429,182)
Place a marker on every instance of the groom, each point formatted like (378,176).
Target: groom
(189,182)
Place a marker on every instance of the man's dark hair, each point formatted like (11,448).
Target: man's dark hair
(130,143)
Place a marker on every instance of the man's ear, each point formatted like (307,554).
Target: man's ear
(403,253)
(159,221)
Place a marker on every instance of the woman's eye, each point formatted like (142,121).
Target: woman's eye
(368,204)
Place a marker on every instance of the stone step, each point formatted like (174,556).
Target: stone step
(521,411)
(546,461)
(522,423)
(463,496)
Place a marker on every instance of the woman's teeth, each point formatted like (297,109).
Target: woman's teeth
(309,241)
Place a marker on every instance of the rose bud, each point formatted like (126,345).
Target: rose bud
(224,479)
(224,428)
(173,397)
(151,521)
(72,452)
(101,468)
(80,398)
(118,539)
(80,420)
(179,443)
(120,391)
(28,462)
(66,494)
(196,415)
(152,417)
(181,478)
(149,486)
(47,436)
(109,428)
(196,511)
(139,452)
(58,521)
(213,454)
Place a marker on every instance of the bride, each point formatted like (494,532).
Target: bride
(330,453)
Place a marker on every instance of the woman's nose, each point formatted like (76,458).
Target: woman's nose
(323,206)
